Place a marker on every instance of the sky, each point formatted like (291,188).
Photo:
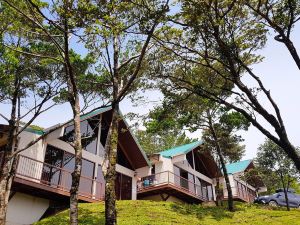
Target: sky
(278,72)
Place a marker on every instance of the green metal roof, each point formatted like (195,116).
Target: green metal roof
(183,149)
(95,112)
(34,131)
(238,166)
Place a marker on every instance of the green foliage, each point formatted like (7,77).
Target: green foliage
(166,213)
(159,141)
(225,124)
(275,168)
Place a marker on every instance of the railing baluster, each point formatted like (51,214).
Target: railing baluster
(52,176)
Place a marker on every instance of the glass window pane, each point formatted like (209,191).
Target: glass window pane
(210,192)
(83,128)
(68,134)
(51,173)
(191,183)
(89,143)
(87,175)
(87,168)
(68,166)
(189,158)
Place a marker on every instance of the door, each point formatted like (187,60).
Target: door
(184,175)
(281,199)
(123,187)
(293,201)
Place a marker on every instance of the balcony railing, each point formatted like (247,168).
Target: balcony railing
(244,192)
(56,178)
(155,181)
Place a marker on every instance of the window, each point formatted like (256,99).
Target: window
(198,186)
(87,168)
(87,175)
(55,159)
(123,187)
(51,173)
(89,133)
(100,188)
(104,131)
(68,164)
(153,169)
(210,192)
(190,159)
(204,189)
(68,134)
(191,180)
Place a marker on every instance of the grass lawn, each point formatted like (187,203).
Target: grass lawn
(167,213)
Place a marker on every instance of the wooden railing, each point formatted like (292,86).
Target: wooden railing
(244,192)
(169,178)
(57,178)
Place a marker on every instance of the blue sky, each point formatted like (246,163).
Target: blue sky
(278,72)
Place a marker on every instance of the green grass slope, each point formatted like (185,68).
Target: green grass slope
(167,213)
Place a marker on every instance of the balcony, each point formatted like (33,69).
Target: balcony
(243,193)
(171,184)
(42,178)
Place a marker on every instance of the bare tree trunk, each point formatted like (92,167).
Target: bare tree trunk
(223,165)
(218,194)
(75,105)
(5,185)
(290,46)
(5,175)
(78,165)
(285,190)
(111,151)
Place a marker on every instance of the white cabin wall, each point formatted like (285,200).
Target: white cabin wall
(25,209)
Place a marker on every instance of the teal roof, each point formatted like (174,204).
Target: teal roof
(238,166)
(34,131)
(183,149)
(95,112)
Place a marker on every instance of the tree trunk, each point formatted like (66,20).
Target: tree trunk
(75,105)
(286,199)
(223,165)
(5,185)
(290,46)
(218,194)
(111,151)
(78,165)
(285,190)
(5,175)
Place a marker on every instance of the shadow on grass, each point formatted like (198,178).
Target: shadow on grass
(91,217)
(217,213)
(86,216)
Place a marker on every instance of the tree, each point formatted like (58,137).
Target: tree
(54,23)
(271,160)
(183,111)
(120,36)
(281,16)
(221,140)
(28,86)
(221,38)
(159,141)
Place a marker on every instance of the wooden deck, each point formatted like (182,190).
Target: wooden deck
(52,182)
(244,193)
(170,184)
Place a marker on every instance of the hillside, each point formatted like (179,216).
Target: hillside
(167,213)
